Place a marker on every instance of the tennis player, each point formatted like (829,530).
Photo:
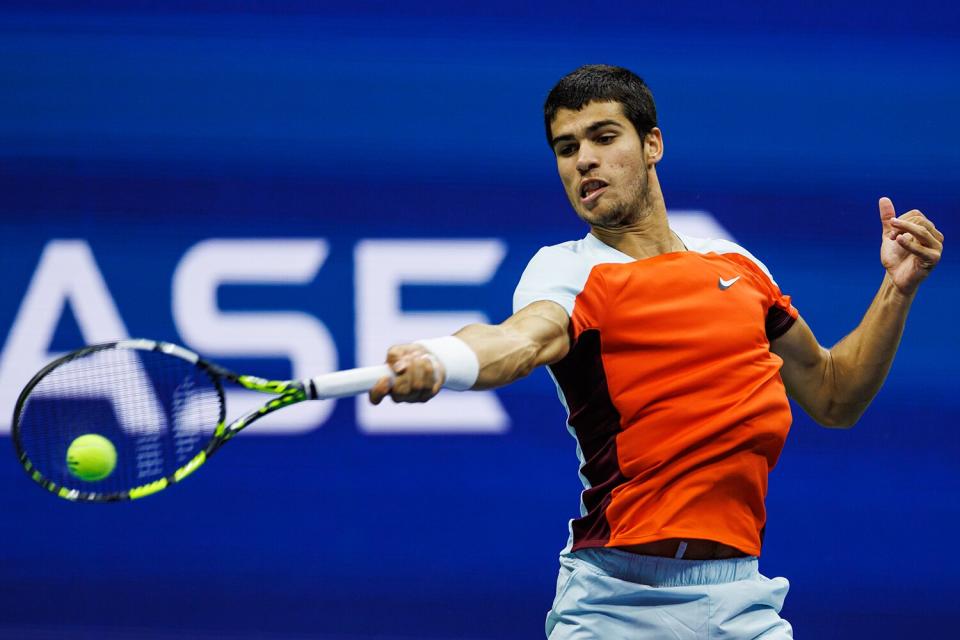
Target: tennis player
(673,356)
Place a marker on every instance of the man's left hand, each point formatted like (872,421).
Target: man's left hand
(910,248)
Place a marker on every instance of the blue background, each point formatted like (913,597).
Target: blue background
(145,129)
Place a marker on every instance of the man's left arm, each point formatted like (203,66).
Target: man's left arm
(835,386)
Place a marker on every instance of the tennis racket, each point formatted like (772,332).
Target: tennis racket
(161,406)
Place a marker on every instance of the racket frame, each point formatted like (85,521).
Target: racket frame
(286,392)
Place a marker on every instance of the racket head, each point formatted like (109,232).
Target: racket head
(161,407)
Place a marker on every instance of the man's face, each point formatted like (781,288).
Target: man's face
(601,161)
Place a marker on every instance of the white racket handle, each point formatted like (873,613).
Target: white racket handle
(348,382)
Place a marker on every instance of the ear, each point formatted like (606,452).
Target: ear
(653,146)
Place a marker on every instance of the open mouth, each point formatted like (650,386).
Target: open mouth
(591,189)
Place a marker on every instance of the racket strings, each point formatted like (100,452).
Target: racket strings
(158,411)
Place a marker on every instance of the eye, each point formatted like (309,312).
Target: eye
(606,138)
(566,149)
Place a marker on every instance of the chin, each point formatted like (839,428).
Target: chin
(608,218)
(590,218)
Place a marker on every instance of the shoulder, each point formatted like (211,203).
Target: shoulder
(585,253)
(570,250)
(556,273)
(559,272)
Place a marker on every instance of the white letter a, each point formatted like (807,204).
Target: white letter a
(67,273)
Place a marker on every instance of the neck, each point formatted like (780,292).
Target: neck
(648,236)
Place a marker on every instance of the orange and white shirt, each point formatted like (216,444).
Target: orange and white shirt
(672,393)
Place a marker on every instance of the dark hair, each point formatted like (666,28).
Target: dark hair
(603,83)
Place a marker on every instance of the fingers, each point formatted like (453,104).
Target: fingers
(380,390)
(430,378)
(915,224)
(420,378)
(919,236)
(929,256)
(418,375)
(916,217)
(409,380)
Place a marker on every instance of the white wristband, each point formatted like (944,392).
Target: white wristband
(459,361)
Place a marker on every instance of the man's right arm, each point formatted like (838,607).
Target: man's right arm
(536,335)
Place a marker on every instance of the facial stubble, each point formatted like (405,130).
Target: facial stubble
(622,214)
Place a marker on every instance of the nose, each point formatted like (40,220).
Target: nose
(587,160)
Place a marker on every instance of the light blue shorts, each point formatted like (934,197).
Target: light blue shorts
(607,594)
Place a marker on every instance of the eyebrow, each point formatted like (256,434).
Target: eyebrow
(593,127)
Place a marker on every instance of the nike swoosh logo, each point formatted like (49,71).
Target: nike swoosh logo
(726,284)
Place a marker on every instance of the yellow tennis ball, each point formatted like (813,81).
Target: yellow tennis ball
(91,457)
